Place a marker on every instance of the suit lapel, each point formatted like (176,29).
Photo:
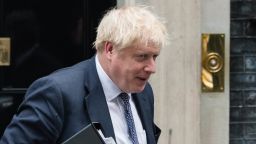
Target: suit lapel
(96,102)
(145,113)
(98,111)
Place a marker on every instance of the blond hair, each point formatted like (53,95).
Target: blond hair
(128,25)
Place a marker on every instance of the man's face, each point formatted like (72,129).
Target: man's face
(131,67)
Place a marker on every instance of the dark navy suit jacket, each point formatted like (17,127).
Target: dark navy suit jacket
(57,106)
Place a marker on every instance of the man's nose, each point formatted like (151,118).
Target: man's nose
(151,66)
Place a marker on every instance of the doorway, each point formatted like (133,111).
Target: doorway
(45,36)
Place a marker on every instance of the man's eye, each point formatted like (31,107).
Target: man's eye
(142,56)
(154,57)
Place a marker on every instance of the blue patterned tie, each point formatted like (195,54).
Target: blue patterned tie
(129,119)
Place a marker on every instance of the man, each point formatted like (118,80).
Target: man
(111,88)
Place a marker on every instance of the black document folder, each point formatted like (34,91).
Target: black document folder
(89,134)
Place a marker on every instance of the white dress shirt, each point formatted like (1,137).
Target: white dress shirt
(115,107)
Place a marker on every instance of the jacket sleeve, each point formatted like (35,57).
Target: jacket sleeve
(39,117)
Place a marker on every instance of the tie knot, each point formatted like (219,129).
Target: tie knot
(125,97)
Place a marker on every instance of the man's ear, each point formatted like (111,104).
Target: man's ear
(108,49)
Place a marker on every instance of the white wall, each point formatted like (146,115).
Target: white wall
(177,78)
(185,115)
(215,18)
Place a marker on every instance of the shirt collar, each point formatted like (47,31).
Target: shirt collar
(110,89)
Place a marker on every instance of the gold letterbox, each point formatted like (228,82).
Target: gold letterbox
(212,72)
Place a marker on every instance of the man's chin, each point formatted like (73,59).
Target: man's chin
(138,89)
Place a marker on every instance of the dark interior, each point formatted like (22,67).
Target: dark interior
(45,35)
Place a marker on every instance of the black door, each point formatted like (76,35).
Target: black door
(45,35)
